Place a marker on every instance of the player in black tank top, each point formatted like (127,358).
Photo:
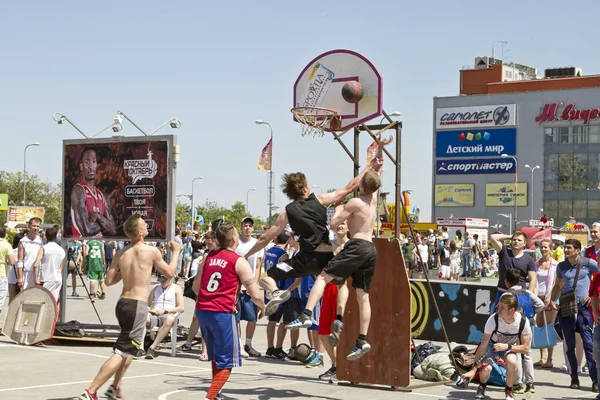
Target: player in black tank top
(307,217)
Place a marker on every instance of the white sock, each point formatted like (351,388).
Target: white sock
(248,342)
(187,343)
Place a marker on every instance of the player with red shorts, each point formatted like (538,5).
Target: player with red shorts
(326,318)
(217,284)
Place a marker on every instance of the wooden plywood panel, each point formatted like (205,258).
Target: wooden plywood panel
(388,362)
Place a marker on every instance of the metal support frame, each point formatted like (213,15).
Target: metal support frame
(381,128)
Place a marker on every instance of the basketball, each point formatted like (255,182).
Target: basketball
(353,92)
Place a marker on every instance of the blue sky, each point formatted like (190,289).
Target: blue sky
(219,66)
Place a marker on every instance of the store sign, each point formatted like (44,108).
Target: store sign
(554,112)
(476,142)
(469,166)
(454,195)
(504,194)
(536,223)
(476,117)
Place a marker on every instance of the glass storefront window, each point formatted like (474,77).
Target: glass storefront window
(565,209)
(563,136)
(580,171)
(594,209)
(594,171)
(565,171)
(594,134)
(551,172)
(580,209)
(551,208)
(550,135)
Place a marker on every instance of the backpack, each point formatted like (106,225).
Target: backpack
(525,305)
(518,334)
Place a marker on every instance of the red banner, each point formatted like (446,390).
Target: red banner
(266,157)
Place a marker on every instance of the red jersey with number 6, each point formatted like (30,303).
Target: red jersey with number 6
(219,284)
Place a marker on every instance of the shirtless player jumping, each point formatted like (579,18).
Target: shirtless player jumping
(357,260)
(133,264)
(307,217)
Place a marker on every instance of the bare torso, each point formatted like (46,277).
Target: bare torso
(135,265)
(362,217)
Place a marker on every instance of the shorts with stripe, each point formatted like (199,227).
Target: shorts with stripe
(220,332)
(328,309)
(131,315)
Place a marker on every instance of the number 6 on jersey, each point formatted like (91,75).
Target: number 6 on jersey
(213,282)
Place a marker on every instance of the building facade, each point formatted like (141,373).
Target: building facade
(550,126)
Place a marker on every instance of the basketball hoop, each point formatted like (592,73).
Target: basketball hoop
(313,120)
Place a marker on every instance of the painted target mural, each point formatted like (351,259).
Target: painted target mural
(465,308)
(419,310)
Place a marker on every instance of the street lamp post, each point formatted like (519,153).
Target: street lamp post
(516,186)
(531,188)
(510,219)
(261,122)
(247,194)
(392,114)
(194,211)
(317,187)
(25,170)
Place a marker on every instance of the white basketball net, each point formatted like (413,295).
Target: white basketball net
(313,120)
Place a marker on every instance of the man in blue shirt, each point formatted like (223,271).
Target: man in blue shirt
(287,311)
(581,322)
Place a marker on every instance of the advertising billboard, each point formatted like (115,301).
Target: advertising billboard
(454,195)
(503,194)
(476,142)
(105,181)
(22,215)
(502,115)
(3,201)
(470,166)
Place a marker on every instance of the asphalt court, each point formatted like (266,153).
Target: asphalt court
(62,371)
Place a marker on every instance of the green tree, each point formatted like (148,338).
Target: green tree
(212,210)
(39,193)
(183,214)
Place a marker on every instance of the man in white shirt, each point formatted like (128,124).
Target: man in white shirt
(506,333)
(165,303)
(247,311)
(47,267)
(28,251)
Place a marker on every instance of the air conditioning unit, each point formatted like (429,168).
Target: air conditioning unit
(486,62)
(562,72)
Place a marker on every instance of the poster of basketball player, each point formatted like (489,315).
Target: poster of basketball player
(105,181)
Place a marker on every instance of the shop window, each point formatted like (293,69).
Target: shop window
(550,135)
(565,171)
(580,209)
(551,172)
(593,171)
(594,134)
(580,134)
(551,208)
(593,209)
(564,137)
(565,209)
(580,171)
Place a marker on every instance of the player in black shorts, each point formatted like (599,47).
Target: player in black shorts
(356,260)
(306,215)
